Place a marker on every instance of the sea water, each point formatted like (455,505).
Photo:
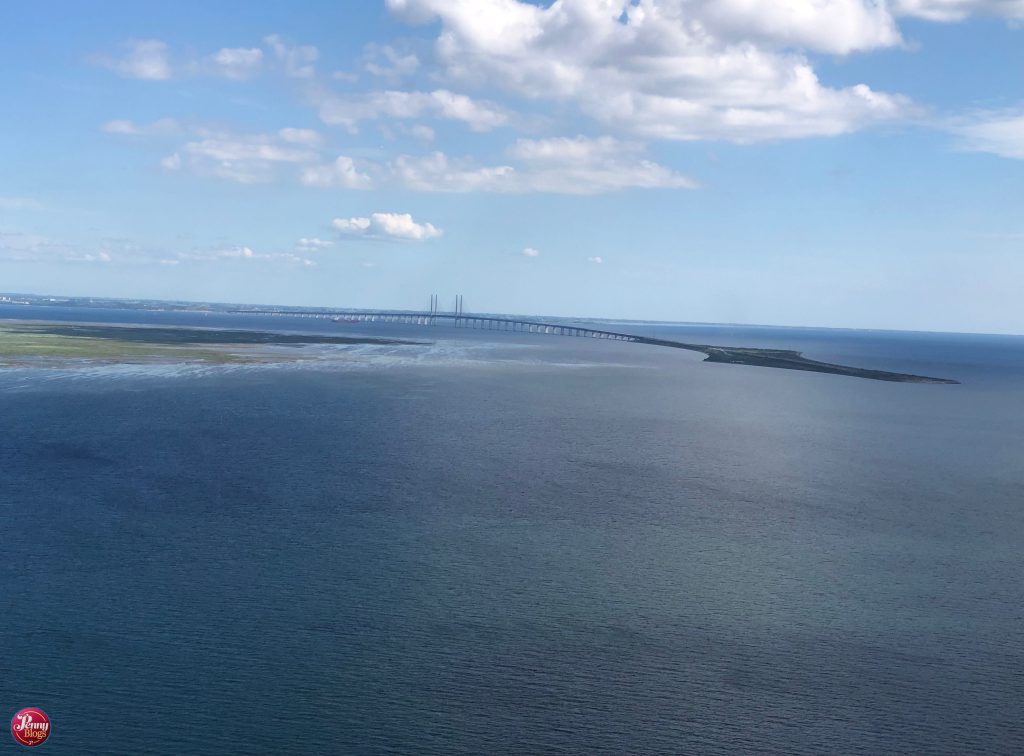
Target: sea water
(513,543)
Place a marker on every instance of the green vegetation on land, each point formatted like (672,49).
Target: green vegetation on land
(31,343)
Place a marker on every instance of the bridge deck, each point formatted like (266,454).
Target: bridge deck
(463,320)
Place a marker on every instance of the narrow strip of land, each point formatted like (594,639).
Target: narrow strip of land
(787,359)
(24,340)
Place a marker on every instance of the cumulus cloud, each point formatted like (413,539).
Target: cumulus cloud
(297,61)
(352,225)
(597,260)
(958,10)
(313,244)
(582,165)
(669,69)
(387,225)
(436,172)
(562,165)
(145,59)
(171,163)
(996,132)
(246,159)
(307,137)
(342,173)
(236,62)
(387,63)
(243,158)
(830,26)
(349,110)
(530,252)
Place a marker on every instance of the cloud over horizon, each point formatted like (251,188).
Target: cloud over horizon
(387,226)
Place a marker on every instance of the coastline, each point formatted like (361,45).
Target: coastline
(27,343)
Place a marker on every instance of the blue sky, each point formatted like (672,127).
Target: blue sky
(802,162)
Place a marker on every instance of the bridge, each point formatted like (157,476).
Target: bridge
(785,359)
(458,319)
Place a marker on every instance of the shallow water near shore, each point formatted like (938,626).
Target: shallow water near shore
(504,543)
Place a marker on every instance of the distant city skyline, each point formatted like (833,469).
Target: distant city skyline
(846,163)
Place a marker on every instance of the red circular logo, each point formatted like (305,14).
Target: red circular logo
(30,726)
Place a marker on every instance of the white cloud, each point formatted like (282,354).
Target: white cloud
(669,69)
(394,65)
(958,10)
(352,225)
(22,247)
(150,59)
(256,148)
(243,158)
(830,26)
(562,165)
(145,59)
(349,110)
(559,165)
(341,173)
(101,257)
(597,260)
(582,165)
(161,127)
(236,62)
(313,244)
(231,252)
(530,252)
(306,137)
(241,253)
(1000,133)
(437,173)
(387,225)
(171,162)
(422,133)
(297,61)
(578,165)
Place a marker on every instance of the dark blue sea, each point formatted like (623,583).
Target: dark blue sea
(502,543)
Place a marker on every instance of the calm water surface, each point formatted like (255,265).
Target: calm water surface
(513,544)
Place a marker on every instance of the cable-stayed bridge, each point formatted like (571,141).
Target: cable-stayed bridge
(775,358)
(458,318)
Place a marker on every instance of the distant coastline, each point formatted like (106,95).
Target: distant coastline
(37,344)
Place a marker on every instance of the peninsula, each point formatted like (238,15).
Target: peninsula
(787,359)
(25,343)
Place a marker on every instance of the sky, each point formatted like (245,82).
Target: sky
(841,163)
